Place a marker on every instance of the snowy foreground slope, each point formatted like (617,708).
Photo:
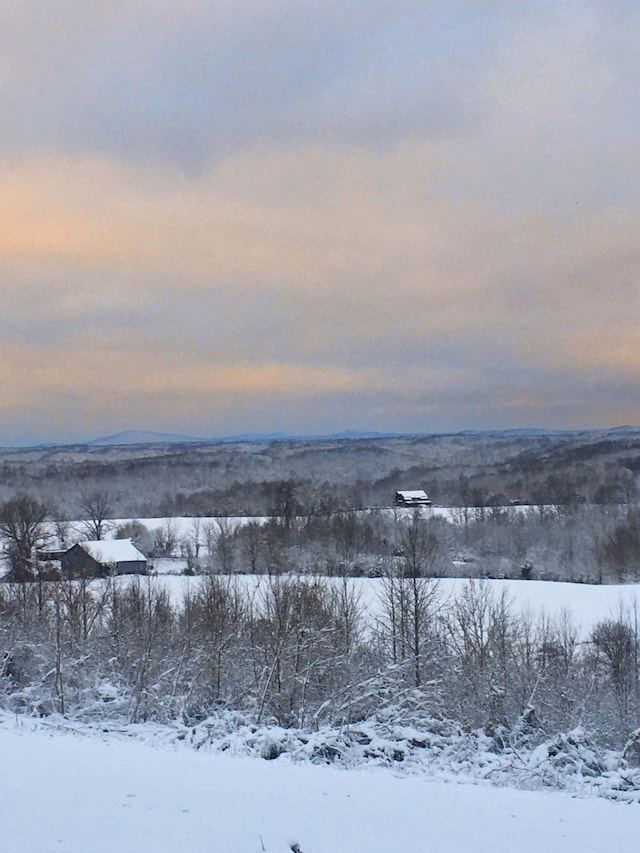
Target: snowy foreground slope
(72,793)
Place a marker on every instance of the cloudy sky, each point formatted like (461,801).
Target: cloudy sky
(220,216)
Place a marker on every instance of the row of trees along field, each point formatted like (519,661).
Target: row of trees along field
(583,542)
(301,652)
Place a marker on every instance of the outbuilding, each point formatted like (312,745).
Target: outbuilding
(412,498)
(101,557)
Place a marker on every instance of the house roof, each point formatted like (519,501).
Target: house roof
(412,494)
(113,551)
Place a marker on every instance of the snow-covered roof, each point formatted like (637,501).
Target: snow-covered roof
(107,551)
(414,494)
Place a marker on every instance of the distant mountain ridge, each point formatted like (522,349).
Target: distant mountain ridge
(139,438)
(136,437)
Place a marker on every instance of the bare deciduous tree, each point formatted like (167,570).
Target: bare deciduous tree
(22,528)
(165,538)
(98,509)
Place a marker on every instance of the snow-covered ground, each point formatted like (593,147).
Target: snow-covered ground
(585,604)
(184,525)
(72,793)
(181,525)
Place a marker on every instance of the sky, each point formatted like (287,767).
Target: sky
(228,217)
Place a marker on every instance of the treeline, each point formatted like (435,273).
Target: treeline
(303,652)
(581,543)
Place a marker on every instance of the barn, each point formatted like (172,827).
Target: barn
(411,497)
(98,558)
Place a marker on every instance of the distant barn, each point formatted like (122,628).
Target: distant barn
(413,498)
(98,558)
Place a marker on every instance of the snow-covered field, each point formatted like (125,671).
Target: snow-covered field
(586,604)
(71,793)
(184,525)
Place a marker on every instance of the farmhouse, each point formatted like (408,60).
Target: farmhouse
(101,557)
(415,497)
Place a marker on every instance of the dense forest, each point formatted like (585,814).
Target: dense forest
(243,478)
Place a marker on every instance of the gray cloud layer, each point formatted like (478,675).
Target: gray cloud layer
(318,215)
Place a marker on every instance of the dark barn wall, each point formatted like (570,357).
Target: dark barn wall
(132,567)
(76,563)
